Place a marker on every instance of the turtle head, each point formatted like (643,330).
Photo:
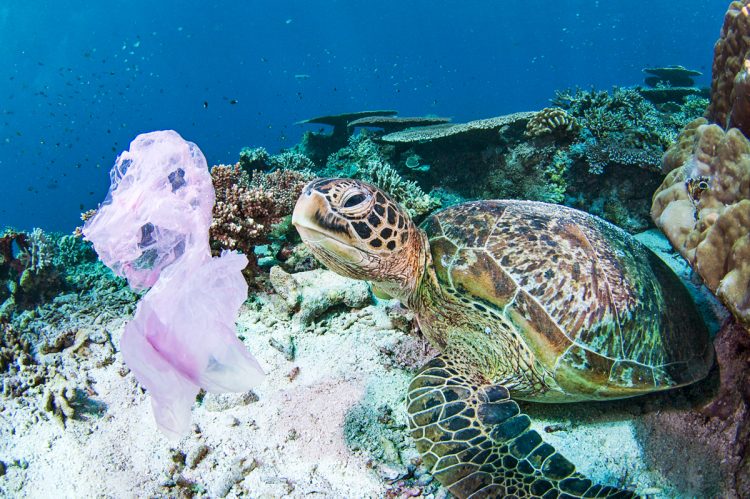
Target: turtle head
(358,231)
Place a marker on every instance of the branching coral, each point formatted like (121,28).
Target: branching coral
(247,207)
(704,209)
(622,114)
(406,192)
(254,159)
(364,159)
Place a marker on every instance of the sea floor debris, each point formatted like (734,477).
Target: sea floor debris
(294,436)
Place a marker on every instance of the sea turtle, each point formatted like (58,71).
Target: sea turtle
(524,300)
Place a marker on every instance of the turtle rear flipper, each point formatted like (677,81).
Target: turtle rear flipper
(478,444)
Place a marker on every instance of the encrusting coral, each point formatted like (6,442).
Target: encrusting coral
(704,209)
(729,106)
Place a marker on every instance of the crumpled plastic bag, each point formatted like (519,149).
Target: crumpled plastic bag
(152,229)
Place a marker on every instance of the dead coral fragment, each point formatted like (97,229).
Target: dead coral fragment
(704,209)
(19,370)
(310,294)
(551,120)
(60,399)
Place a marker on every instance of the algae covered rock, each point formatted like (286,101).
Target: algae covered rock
(310,294)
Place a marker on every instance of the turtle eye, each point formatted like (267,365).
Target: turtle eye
(703,185)
(355,200)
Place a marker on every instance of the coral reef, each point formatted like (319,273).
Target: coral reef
(704,209)
(729,106)
(29,272)
(249,206)
(309,294)
(319,145)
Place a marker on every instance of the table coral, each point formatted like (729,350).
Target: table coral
(472,130)
(703,207)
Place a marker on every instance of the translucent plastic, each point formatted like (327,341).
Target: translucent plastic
(153,230)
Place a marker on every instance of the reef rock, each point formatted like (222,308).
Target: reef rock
(309,294)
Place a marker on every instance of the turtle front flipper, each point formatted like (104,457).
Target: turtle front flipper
(477,443)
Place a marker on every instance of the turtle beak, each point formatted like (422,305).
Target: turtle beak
(308,204)
(321,232)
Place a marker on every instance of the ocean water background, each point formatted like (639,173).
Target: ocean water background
(79,80)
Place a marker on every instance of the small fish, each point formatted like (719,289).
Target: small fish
(205,104)
(302,76)
(233,101)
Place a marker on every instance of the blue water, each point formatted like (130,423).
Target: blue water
(79,80)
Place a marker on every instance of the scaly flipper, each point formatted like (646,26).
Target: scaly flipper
(478,444)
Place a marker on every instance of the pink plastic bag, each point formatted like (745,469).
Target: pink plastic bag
(153,230)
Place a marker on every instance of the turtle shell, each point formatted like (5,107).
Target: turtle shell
(603,314)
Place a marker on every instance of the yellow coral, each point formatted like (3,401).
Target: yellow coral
(551,120)
(703,207)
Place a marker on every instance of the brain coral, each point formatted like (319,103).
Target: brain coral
(703,207)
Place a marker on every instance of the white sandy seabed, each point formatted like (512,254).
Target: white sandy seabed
(289,441)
